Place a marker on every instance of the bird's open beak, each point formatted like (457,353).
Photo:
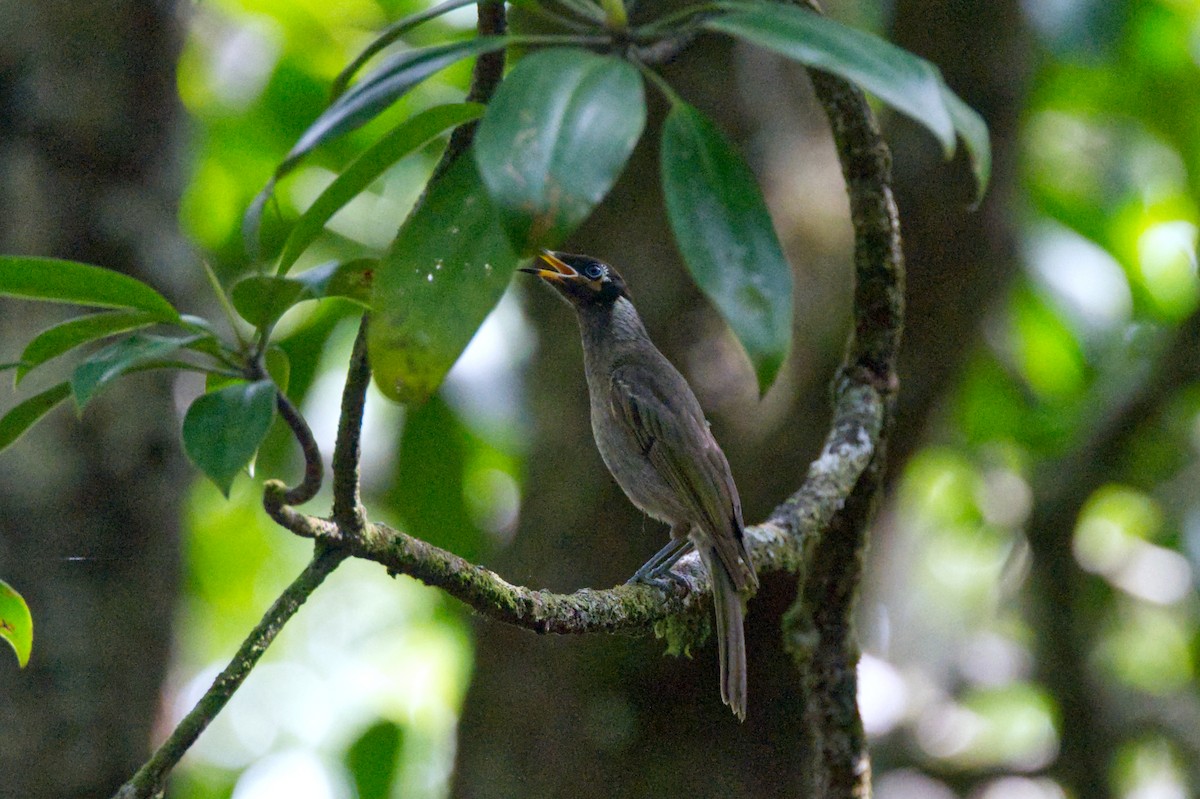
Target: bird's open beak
(558,270)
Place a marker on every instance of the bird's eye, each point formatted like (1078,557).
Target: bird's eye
(593,272)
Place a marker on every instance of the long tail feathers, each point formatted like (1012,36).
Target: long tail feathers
(731,638)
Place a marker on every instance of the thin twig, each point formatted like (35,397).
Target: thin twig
(314,469)
(348,511)
(485,79)
(150,778)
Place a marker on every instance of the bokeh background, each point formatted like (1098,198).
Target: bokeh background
(1029,623)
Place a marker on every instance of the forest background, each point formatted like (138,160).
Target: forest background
(1029,624)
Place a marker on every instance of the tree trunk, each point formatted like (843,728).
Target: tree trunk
(89,510)
(610,716)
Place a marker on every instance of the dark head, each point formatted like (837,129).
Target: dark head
(581,279)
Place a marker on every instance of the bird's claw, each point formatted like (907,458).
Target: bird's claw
(664,579)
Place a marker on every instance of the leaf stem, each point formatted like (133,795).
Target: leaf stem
(314,468)
(660,83)
(654,28)
(227,308)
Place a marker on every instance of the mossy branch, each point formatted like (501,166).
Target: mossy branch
(818,532)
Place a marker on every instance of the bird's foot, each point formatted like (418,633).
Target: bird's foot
(662,579)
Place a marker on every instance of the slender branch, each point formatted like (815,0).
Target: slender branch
(818,629)
(778,544)
(149,779)
(485,79)
(314,469)
(348,511)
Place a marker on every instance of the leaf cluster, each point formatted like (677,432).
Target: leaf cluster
(544,152)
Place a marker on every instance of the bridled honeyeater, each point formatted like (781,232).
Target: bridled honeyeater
(655,440)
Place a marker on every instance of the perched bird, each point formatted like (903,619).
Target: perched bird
(655,440)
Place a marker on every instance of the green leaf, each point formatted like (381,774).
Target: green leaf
(120,357)
(375,92)
(911,85)
(429,489)
(262,299)
(447,268)
(61,338)
(362,103)
(23,416)
(16,625)
(724,232)
(389,35)
(222,430)
(54,280)
(555,137)
(349,279)
(279,367)
(974,133)
(373,760)
(405,139)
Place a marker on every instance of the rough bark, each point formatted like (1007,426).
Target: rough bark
(88,510)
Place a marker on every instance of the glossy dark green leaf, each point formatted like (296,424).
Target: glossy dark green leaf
(724,231)
(222,429)
(555,137)
(16,623)
(126,355)
(23,416)
(390,35)
(61,338)
(910,84)
(262,299)
(446,270)
(975,136)
(349,279)
(382,87)
(403,140)
(362,103)
(55,280)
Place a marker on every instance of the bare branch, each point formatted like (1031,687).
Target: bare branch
(347,505)
(485,79)
(314,469)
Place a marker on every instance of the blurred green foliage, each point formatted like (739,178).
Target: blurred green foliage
(361,693)
(1110,162)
